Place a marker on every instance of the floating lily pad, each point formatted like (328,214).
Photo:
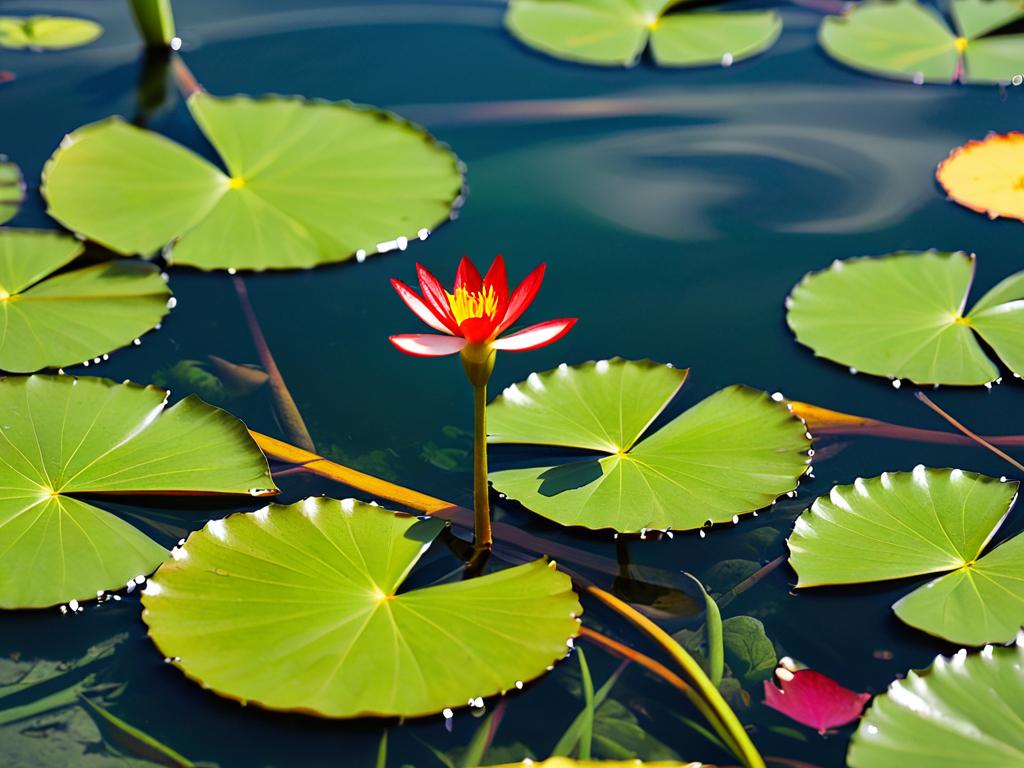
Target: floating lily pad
(928,521)
(49,320)
(300,608)
(12,189)
(65,440)
(733,453)
(966,710)
(616,32)
(902,316)
(44,33)
(987,176)
(307,183)
(908,40)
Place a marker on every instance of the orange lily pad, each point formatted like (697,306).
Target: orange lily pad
(987,176)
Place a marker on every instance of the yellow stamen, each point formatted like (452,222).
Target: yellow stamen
(236,182)
(469,306)
(960,44)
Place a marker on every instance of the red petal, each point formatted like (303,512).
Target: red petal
(419,308)
(523,297)
(467,276)
(535,336)
(815,700)
(497,278)
(428,344)
(436,298)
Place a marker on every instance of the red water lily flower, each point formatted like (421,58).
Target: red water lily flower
(477,312)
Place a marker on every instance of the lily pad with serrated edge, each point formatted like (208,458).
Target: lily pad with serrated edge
(987,176)
(909,40)
(929,521)
(12,189)
(902,316)
(67,441)
(300,608)
(616,32)
(964,710)
(51,318)
(307,183)
(47,33)
(735,452)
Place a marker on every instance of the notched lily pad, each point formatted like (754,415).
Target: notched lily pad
(12,189)
(67,440)
(300,608)
(929,521)
(964,710)
(616,32)
(735,452)
(42,33)
(987,176)
(306,183)
(909,40)
(903,316)
(48,320)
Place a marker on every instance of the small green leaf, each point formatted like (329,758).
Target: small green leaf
(12,189)
(748,651)
(929,521)
(902,316)
(68,440)
(961,711)
(336,637)
(51,320)
(47,32)
(733,453)
(616,32)
(306,183)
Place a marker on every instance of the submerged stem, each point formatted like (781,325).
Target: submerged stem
(977,438)
(483,539)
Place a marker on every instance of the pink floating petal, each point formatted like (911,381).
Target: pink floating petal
(536,335)
(428,344)
(815,700)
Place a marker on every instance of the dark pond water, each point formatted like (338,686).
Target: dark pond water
(675,210)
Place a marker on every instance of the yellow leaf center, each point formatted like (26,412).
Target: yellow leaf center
(960,44)
(236,182)
(468,305)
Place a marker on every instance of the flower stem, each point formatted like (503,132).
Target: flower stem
(481,493)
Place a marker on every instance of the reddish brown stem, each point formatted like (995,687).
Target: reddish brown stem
(976,438)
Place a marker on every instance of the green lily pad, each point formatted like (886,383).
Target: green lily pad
(12,189)
(616,32)
(65,440)
(44,33)
(929,521)
(733,453)
(299,608)
(908,40)
(902,316)
(307,183)
(49,320)
(965,710)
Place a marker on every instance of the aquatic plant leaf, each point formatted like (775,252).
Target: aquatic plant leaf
(65,437)
(307,183)
(125,739)
(47,32)
(965,710)
(12,189)
(815,700)
(50,320)
(986,175)
(929,521)
(733,453)
(902,316)
(908,40)
(299,608)
(616,32)
(749,652)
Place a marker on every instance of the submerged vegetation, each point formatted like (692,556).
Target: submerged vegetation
(414,606)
